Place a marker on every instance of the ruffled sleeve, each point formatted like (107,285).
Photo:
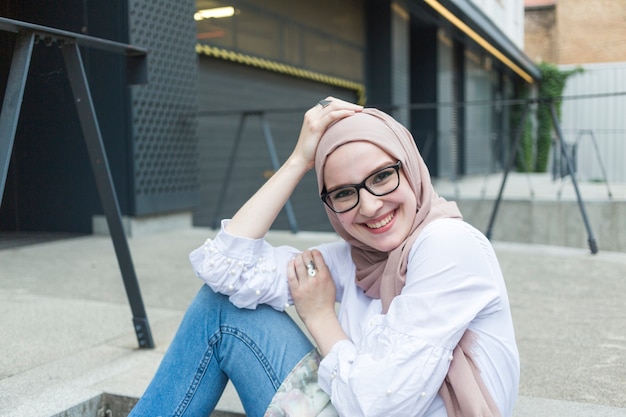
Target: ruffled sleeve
(249,271)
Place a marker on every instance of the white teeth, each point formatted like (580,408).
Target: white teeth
(381,223)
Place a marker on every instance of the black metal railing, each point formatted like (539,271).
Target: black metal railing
(27,35)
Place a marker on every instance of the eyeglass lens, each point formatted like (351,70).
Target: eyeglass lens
(379,183)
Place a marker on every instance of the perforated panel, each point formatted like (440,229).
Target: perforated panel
(164,110)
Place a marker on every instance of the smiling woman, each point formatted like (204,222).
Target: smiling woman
(424,326)
(380,217)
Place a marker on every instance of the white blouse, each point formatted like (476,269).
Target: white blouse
(394,363)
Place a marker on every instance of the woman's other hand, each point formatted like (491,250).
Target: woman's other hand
(312,287)
(314,293)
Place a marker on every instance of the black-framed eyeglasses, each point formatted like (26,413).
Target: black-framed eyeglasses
(381,182)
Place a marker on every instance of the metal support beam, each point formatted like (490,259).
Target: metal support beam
(106,189)
(27,35)
(593,246)
(12,103)
(229,171)
(509,165)
(570,167)
(136,62)
(271,148)
(269,141)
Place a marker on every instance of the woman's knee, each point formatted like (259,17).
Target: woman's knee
(207,302)
(219,314)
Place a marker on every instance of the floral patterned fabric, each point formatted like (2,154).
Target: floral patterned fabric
(300,395)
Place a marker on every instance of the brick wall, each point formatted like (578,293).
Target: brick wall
(540,34)
(577,32)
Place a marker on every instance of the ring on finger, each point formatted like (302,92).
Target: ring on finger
(310,269)
(324,103)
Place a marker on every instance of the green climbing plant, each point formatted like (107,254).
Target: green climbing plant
(524,161)
(551,87)
(535,149)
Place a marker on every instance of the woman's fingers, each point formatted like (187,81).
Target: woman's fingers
(298,271)
(292,276)
(317,257)
(329,110)
(313,293)
(316,121)
(333,103)
(305,266)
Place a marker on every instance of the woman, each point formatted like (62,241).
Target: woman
(424,326)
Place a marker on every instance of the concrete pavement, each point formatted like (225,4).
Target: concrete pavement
(67,338)
(68,347)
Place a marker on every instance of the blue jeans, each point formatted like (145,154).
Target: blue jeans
(216,341)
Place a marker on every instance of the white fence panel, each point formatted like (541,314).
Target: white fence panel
(602,118)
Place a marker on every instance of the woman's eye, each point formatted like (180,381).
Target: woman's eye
(343,194)
(382,176)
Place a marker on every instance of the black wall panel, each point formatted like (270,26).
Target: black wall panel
(50,183)
(234,88)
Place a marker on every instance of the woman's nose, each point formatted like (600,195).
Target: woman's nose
(368,203)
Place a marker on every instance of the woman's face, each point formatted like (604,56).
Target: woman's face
(384,222)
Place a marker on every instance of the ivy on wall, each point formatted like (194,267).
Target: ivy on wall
(526,150)
(535,149)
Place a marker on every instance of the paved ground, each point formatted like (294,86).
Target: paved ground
(66,335)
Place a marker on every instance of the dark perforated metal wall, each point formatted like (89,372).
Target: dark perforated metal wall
(164,110)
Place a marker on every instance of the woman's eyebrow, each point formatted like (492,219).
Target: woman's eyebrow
(348,184)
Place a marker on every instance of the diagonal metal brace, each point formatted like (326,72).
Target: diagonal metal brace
(13,96)
(27,35)
(591,240)
(104,182)
(271,148)
(513,153)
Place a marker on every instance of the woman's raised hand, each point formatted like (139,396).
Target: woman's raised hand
(316,121)
(256,216)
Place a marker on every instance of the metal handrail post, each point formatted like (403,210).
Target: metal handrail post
(276,165)
(570,167)
(509,165)
(229,170)
(27,35)
(597,149)
(12,103)
(106,188)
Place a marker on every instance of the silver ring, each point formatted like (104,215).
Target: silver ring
(324,103)
(310,269)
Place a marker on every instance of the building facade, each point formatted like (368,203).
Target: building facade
(149,131)
(571,34)
(228,88)
(440,67)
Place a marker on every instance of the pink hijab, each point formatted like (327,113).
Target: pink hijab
(382,275)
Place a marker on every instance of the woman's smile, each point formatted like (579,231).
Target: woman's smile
(382,224)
